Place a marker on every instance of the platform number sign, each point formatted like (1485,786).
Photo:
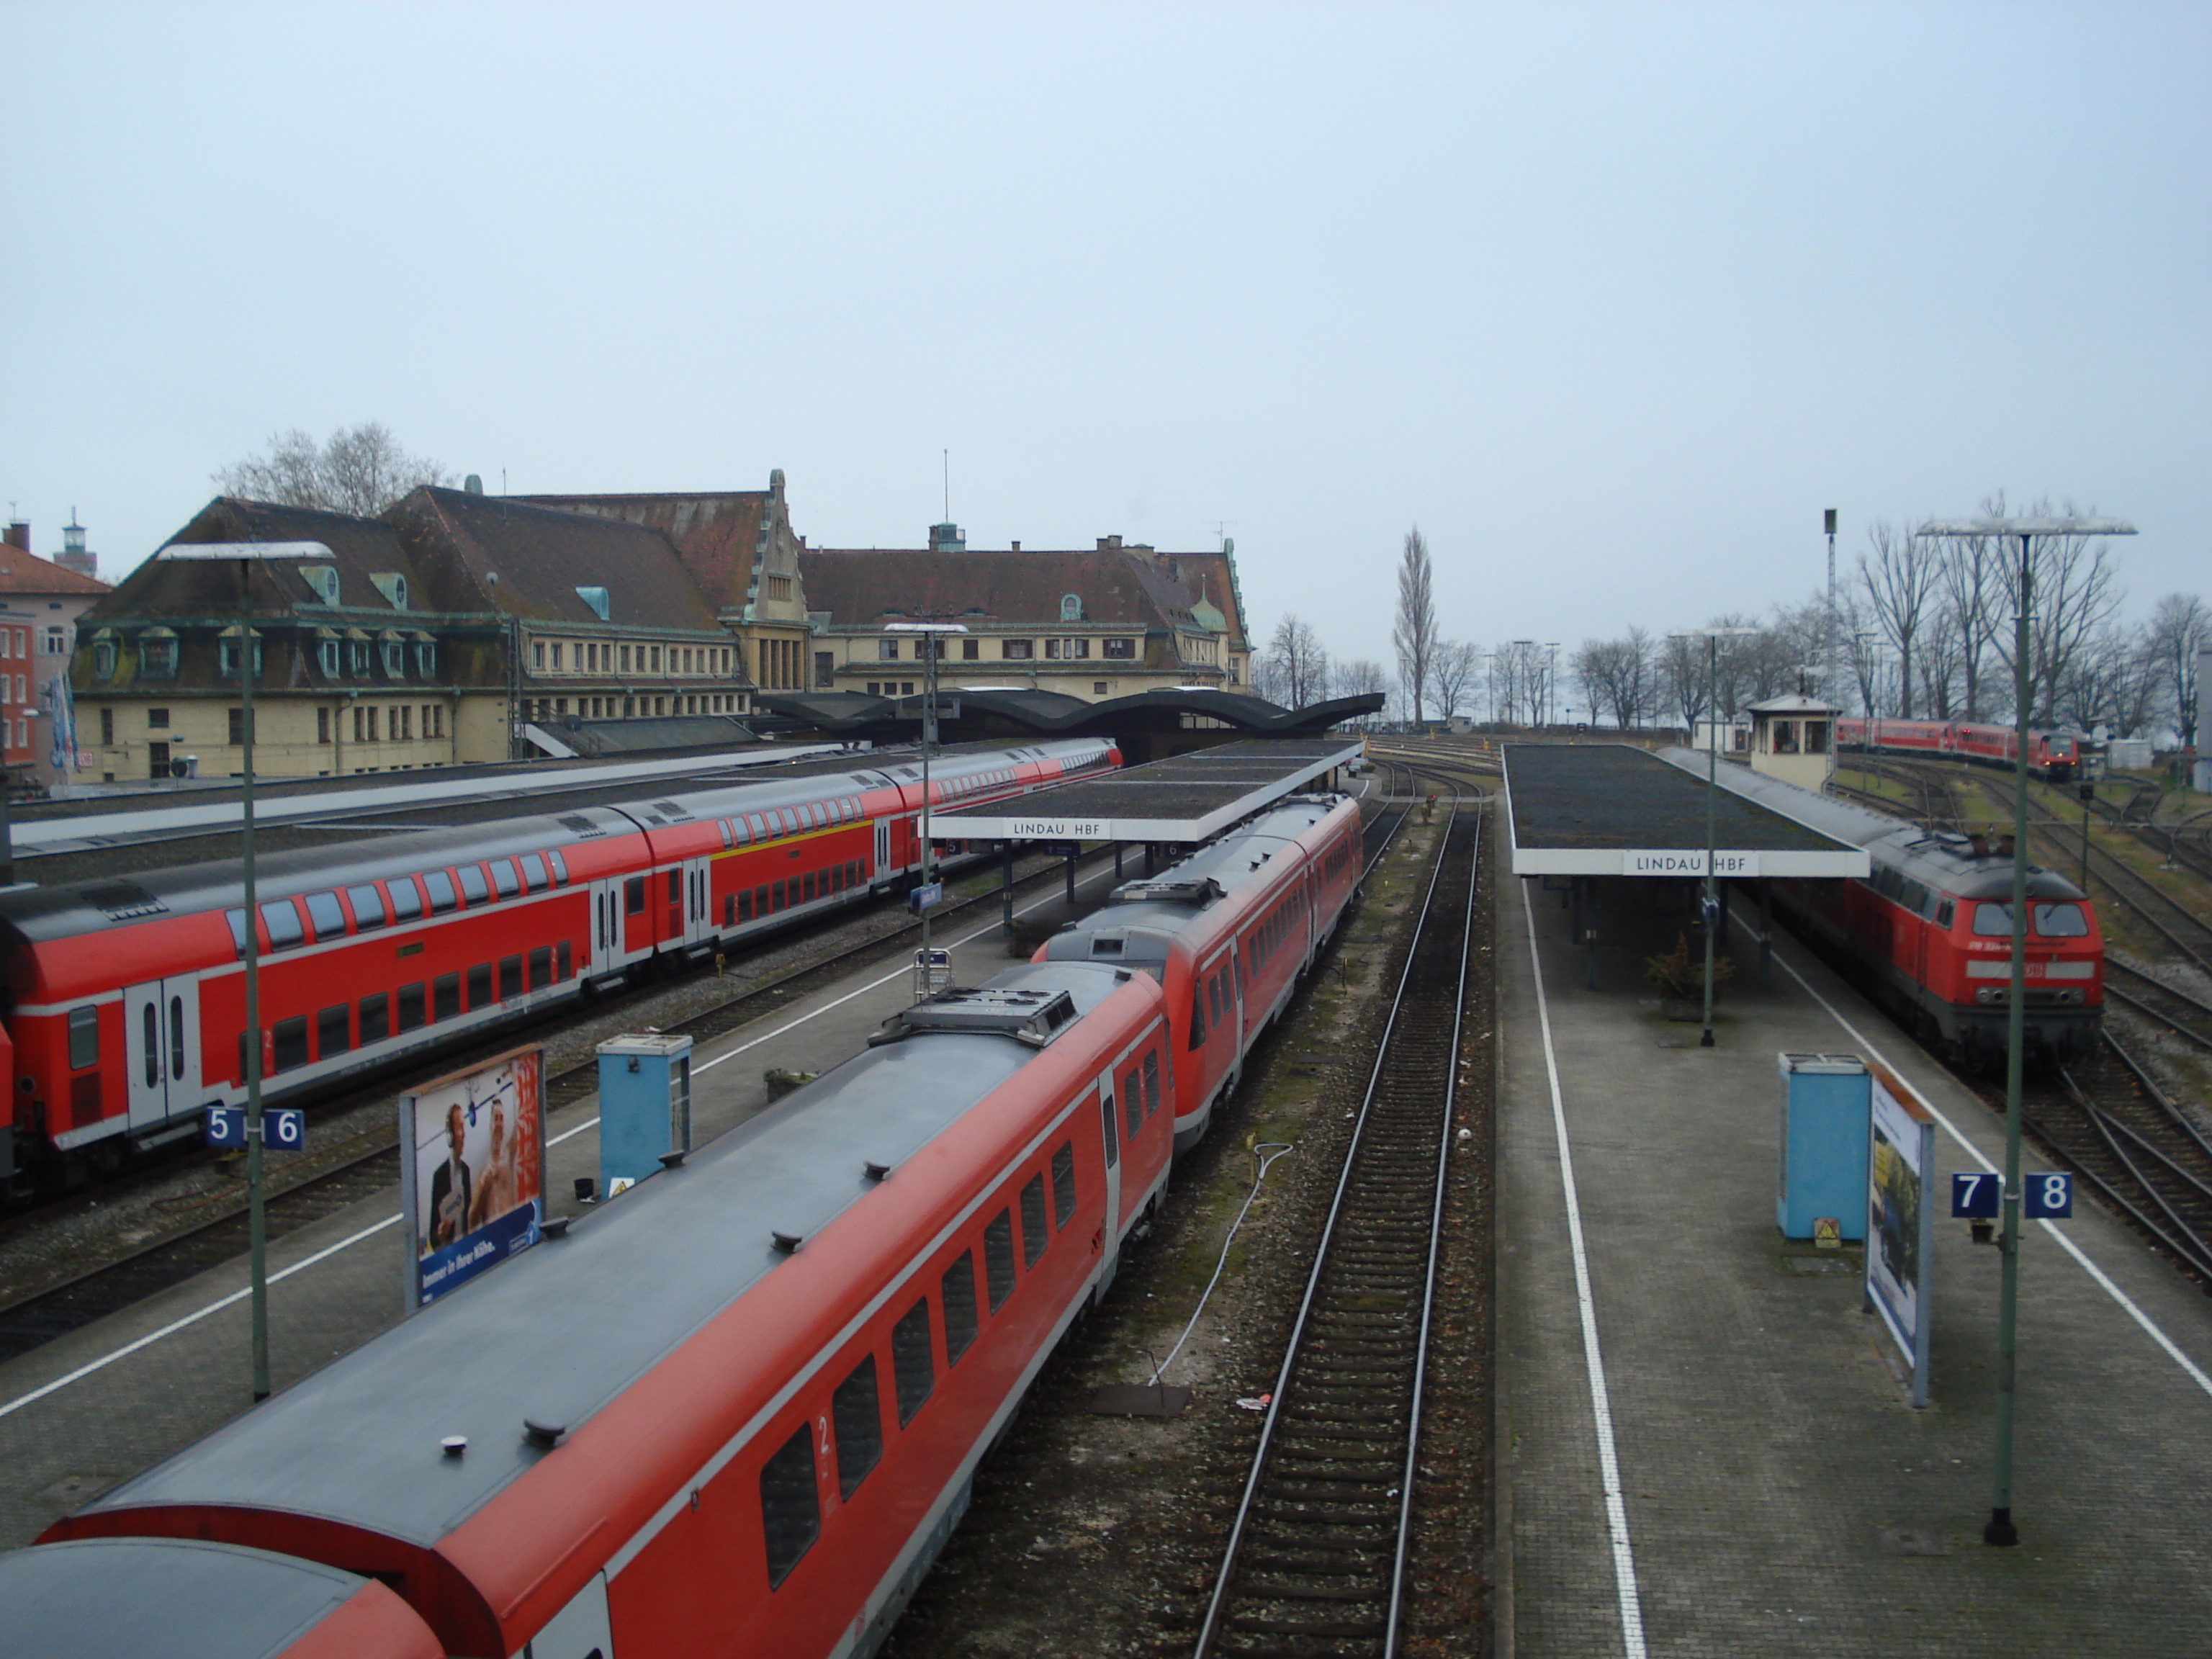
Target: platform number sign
(2046,1195)
(284,1128)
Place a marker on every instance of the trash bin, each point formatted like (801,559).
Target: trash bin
(645,1105)
(1826,1100)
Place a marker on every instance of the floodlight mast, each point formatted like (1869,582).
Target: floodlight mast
(933,633)
(2000,1529)
(1710,908)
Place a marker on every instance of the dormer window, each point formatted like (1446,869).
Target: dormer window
(322,580)
(157,653)
(103,653)
(426,657)
(393,586)
(597,598)
(394,653)
(227,653)
(326,653)
(356,654)
(1071,607)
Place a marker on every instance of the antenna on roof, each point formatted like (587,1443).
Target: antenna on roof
(948,486)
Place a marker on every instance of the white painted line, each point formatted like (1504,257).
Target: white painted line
(175,1325)
(152,1337)
(1616,1502)
(2195,1372)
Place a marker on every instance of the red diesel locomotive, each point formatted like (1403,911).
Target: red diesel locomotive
(757,1414)
(2052,755)
(125,998)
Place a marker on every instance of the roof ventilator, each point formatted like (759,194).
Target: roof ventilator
(119,901)
(1030,1017)
(874,1170)
(785,1242)
(543,1434)
(1201,890)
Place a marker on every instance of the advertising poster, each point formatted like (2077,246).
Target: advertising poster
(473,1147)
(1900,1220)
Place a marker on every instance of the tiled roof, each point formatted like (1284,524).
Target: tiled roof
(716,530)
(542,555)
(26,573)
(183,588)
(1022,590)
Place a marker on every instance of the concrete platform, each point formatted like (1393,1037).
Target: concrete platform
(91,1409)
(1705,1447)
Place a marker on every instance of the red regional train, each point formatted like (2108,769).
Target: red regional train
(739,1410)
(1930,928)
(125,999)
(2052,755)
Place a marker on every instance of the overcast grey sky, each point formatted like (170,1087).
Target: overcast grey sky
(1611,300)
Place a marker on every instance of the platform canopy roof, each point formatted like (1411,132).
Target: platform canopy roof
(1185,798)
(1614,809)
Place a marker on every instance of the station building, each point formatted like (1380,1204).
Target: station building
(40,601)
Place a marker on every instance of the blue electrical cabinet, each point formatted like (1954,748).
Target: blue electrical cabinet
(645,1105)
(1826,1102)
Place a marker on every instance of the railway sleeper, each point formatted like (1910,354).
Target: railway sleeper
(1340,1631)
(1277,1589)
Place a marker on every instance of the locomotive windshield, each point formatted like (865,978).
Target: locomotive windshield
(1993,921)
(2060,921)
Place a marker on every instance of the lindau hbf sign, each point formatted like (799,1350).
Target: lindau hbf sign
(1687,861)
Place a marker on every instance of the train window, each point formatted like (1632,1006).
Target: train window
(541,967)
(475,889)
(634,896)
(406,898)
(560,869)
(560,960)
(281,921)
(504,881)
(743,902)
(1945,913)
(859,1420)
(1213,997)
(289,1039)
(375,1018)
(480,985)
(760,829)
(999,1259)
(791,1509)
(237,920)
(914,1361)
(510,978)
(1032,1220)
(1132,1103)
(806,886)
(776,893)
(1152,1084)
(411,1007)
(323,912)
(2059,921)
(728,839)
(445,996)
(1111,1130)
(151,1041)
(176,1038)
(675,885)
(1197,1017)
(1993,921)
(334,1030)
(367,907)
(533,873)
(1063,1185)
(959,1287)
(440,886)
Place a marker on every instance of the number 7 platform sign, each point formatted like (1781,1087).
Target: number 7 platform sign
(2044,1196)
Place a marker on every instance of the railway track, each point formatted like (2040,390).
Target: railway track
(1315,1560)
(2177,1010)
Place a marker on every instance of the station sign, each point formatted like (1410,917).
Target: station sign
(1059,830)
(2045,1195)
(1687,861)
(284,1129)
(922,897)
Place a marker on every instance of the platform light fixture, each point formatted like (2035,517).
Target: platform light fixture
(246,555)
(933,633)
(2000,1529)
(1710,907)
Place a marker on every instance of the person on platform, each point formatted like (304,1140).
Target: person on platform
(494,1194)
(451,1186)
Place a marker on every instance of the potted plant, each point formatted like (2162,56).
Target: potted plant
(1680,975)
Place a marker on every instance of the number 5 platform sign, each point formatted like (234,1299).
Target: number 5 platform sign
(472,1171)
(1900,1218)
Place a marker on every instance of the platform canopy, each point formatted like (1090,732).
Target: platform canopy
(1613,810)
(1185,798)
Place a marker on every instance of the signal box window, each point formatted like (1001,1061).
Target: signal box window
(959,1287)
(791,1509)
(1032,1220)
(1063,1185)
(998,1259)
(914,1361)
(859,1421)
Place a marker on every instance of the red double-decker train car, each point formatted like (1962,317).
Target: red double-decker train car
(125,998)
(2051,754)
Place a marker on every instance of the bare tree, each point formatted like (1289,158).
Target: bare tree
(2180,628)
(1454,672)
(1613,675)
(1414,632)
(2075,589)
(1967,576)
(361,469)
(1361,676)
(1900,582)
(1299,665)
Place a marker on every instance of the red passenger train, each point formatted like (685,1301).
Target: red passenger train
(738,1410)
(2052,755)
(125,998)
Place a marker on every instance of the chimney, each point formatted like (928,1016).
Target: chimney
(1017,546)
(19,534)
(1109,544)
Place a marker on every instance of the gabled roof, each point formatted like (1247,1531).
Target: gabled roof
(525,560)
(358,548)
(717,531)
(26,573)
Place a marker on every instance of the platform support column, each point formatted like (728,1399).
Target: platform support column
(1586,925)
(1720,921)
(1006,889)
(1766,933)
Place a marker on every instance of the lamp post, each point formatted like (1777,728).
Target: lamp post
(2000,1529)
(933,634)
(246,554)
(1552,684)
(1710,908)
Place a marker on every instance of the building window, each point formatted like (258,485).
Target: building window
(1071,607)
(57,641)
(322,726)
(1098,688)
(887,650)
(326,658)
(825,669)
(395,658)
(537,653)
(226,655)
(1067,650)
(237,722)
(157,653)
(625,659)
(426,659)
(103,658)
(556,656)
(1016,650)
(357,659)
(779,587)
(1124,648)
(107,728)
(970,650)
(656,659)
(158,718)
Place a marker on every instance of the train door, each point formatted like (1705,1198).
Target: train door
(1110,1230)
(162,1050)
(607,952)
(883,847)
(698,921)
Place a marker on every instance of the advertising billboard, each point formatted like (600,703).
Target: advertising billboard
(472,1175)
(1900,1218)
